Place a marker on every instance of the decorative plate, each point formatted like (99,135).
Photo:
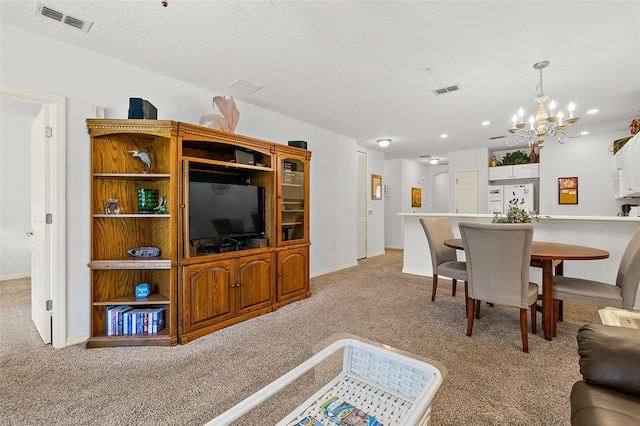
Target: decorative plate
(144,252)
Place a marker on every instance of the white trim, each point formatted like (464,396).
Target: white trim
(337,268)
(58,185)
(77,339)
(14,276)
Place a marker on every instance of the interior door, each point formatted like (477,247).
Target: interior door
(361,219)
(41,286)
(467,192)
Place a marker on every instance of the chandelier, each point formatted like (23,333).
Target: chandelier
(545,125)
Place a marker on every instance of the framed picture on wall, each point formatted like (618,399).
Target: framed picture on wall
(416,197)
(376,187)
(568,190)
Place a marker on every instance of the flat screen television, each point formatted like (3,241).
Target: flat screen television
(222,210)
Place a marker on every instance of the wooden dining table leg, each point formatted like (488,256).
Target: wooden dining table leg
(547,298)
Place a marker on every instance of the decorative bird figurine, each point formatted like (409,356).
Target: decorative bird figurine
(145,158)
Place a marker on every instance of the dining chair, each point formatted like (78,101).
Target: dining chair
(444,259)
(498,258)
(621,294)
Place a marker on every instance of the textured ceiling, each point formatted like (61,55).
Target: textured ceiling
(359,67)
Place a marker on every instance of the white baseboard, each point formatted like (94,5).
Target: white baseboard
(337,268)
(76,340)
(14,276)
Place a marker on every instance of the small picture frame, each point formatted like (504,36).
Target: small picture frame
(568,190)
(376,187)
(416,197)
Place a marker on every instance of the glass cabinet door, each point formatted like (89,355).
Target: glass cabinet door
(292,208)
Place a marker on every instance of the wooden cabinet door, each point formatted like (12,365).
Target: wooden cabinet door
(207,295)
(293,273)
(253,287)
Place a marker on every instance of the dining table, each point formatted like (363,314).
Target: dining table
(550,257)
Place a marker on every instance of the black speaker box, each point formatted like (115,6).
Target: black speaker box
(298,144)
(142,109)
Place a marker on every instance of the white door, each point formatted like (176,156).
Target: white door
(361,220)
(41,290)
(466,192)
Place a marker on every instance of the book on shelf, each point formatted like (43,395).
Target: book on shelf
(114,319)
(343,413)
(123,320)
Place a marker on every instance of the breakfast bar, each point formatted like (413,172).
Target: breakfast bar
(608,233)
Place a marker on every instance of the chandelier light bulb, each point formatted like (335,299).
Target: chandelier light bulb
(571,108)
(531,121)
(520,114)
(552,107)
(560,115)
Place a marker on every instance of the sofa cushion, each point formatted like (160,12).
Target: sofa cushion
(596,405)
(610,356)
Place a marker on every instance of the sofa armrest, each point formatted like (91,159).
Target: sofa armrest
(610,357)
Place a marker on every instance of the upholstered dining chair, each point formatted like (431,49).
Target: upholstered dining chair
(621,294)
(444,259)
(498,258)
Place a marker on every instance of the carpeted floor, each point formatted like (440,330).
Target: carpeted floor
(490,380)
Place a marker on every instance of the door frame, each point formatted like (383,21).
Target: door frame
(57,186)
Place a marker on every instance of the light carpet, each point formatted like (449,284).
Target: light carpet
(490,380)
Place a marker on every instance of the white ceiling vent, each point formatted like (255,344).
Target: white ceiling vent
(245,87)
(447,89)
(62,17)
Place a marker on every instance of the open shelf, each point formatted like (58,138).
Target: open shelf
(152,299)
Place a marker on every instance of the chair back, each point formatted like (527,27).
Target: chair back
(438,229)
(498,259)
(629,271)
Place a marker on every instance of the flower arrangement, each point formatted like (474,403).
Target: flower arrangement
(515,213)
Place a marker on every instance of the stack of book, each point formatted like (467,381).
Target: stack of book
(123,320)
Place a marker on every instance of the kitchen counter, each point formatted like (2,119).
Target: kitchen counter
(610,233)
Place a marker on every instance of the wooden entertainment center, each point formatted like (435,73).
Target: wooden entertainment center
(200,291)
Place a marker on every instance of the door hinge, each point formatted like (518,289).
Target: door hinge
(49,305)
(48,131)
(49,218)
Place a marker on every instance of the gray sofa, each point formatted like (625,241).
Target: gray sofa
(609,393)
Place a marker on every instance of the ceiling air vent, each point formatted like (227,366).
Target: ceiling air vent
(447,89)
(246,87)
(63,18)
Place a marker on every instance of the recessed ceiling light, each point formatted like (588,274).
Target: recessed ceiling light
(383,143)
(584,133)
(444,135)
(593,111)
(485,123)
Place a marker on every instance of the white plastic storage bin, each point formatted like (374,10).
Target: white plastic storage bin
(393,386)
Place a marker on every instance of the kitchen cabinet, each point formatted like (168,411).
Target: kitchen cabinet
(518,171)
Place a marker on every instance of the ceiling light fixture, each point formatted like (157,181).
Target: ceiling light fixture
(544,125)
(383,143)
(444,136)
(485,123)
(433,160)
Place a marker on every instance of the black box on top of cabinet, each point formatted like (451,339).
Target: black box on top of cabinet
(142,109)
(298,144)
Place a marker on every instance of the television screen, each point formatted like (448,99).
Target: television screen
(221,210)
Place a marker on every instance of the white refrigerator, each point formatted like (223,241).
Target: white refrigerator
(500,195)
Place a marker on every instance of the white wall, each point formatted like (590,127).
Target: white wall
(87,79)
(402,175)
(589,158)
(15,192)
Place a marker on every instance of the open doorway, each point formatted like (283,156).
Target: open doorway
(50,262)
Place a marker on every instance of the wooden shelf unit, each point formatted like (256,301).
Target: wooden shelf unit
(216,290)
